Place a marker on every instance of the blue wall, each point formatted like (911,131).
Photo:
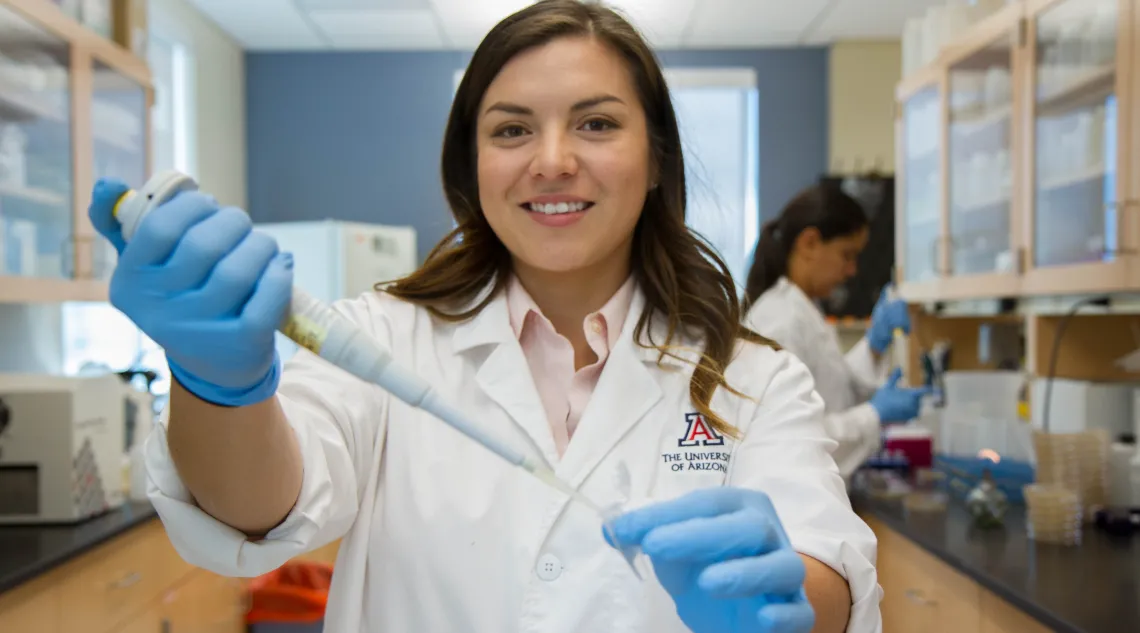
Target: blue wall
(356,136)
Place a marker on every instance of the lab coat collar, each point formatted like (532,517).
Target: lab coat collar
(490,326)
(626,390)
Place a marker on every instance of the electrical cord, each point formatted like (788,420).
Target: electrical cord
(1061,325)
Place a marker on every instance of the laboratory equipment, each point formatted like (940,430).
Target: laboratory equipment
(341,260)
(61,454)
(315,326)
(915,443)
(987,503)
(1081,405)
(899,349)
(1054,514)
(1077,462)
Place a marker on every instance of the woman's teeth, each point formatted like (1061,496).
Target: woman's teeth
(557,207)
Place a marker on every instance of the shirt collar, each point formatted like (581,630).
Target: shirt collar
(520,305)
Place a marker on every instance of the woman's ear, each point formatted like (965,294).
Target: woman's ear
(808,241)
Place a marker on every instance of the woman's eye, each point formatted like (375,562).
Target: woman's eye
(510,131)
(598,125)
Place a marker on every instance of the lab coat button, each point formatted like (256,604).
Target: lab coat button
(549,567)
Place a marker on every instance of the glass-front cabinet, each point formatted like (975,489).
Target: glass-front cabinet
(1082,235)
(120,150)
(980,174)
(36,195)
(73,108)
(1019,156)
(920,192)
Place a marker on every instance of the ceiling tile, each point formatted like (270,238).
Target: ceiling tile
(262,24)
(731,23)
(868,19)
(379,30)
(742,39)
(466,22)
(361,5)
(662,23)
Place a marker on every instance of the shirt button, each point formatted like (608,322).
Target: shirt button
(549,567)
(596,326)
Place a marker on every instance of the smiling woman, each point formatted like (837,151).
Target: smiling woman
(571,310)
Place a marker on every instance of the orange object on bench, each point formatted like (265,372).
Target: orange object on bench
(297,592)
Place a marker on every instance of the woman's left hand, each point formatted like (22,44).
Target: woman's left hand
(723,556)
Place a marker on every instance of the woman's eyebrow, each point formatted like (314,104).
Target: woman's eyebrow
(519,110)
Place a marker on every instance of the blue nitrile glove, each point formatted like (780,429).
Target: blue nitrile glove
(887,315)
(203,285)
(724,558)
(895,403)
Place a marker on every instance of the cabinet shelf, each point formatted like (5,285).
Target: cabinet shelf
(1085,88)
(17,107)
(32,194)
(1076,178)
(980,118)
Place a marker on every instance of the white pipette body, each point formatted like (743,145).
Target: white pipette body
(318,328)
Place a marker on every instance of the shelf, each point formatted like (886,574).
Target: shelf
(18,105)
(976,119)
(1088,88)
(1079,177)
(31,194)
(24,289)
(985,205)
(119,142)
(922,220)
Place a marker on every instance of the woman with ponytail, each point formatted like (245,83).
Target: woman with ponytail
(803,255)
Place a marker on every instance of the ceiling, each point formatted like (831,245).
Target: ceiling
(267,25)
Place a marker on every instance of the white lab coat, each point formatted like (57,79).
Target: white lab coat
(440,535)
(846,382)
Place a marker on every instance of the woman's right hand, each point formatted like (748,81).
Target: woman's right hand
(898,404)
(202,284)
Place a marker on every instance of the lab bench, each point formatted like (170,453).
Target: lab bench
(114,573)
(939,573)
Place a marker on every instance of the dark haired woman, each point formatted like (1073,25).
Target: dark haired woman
(811,248)
(572,309)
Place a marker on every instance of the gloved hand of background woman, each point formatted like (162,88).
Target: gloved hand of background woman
(887,315)
(723,556)
(898,404)
(211,291)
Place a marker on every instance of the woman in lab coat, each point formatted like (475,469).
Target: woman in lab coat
(570,311)
(803,254)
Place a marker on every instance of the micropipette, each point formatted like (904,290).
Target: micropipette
(899,351)
(318,328)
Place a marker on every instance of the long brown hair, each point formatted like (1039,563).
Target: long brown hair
(683,279)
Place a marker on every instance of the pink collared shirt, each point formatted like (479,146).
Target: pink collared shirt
(563,391)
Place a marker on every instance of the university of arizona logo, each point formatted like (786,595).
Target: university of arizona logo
(699,433)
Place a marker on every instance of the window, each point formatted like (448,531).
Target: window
(172,119)
(718,114)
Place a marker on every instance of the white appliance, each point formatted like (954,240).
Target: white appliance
(61,451)
(1078,406)
(337,260)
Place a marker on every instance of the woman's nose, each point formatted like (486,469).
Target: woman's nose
(554,158)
